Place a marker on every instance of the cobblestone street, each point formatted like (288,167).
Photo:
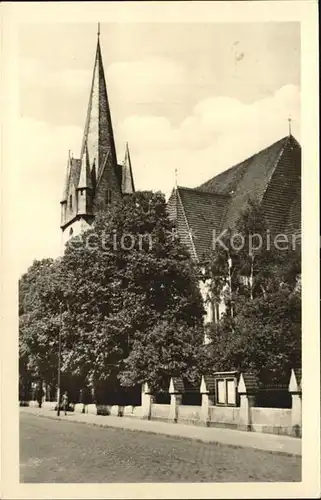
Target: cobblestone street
(61,451)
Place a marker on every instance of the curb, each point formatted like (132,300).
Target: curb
(164,433)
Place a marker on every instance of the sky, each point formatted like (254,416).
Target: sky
(193,97)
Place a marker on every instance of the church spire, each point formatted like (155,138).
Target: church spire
(66,185)
(98,134)
(85,178)
(127,174)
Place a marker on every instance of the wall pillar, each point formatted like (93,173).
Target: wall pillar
(147,401)
(247,388)
(207,401)
(44,391)
(296,412)
(176,390)
(176,401)
(246,403)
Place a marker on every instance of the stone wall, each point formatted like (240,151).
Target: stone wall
(189,414)
(243,415)
(223,416)
(271,420)
(160,412)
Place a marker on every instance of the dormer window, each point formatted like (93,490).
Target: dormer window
(70,201)
(108,197)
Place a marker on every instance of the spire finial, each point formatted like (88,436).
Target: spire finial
(290,121)
(176,177)
(98,31)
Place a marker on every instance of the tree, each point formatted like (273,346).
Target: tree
(170,348)
(40,293)
(264,331)
(264,336)
(117,282)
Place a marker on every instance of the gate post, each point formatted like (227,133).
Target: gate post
(247,387)
(296,411)
(207,391)
(147,401)
(176,390)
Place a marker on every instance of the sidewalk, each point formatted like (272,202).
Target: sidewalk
(260,441)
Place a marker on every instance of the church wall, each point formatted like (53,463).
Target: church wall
(74,229)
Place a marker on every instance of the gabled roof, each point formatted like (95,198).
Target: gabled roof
(204,212)
(248,178)
(217,204)
(201,212)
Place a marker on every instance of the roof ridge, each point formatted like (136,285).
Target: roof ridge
(199,191)
(188,226)
(249,158)
(287,140)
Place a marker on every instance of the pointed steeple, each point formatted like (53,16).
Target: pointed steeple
(85,180)
(98,133)
(127,174)
(66,184)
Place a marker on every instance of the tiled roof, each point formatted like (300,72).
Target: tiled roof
(203,212)
(210,383)
(127,183)
(217,203)
(98,134)
(293,224)
(176,385)
(248,178)
(85,179)
(251,381)
(75,166)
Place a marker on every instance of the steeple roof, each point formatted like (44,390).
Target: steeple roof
(66,185)
(98,134)
(127,174)
(85,178)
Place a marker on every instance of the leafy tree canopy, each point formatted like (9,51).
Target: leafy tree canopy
(261,327)
(121,283)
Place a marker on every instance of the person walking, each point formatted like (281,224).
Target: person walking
(65,402)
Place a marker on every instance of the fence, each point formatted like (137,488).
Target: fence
(228,399)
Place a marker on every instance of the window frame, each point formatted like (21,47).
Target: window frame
(226,379)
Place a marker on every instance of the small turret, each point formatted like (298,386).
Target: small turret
(127,174)
(84,188)
(64,198)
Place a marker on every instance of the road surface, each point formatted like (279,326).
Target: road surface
(58,451)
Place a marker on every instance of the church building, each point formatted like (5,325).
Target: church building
(272,177)
(95,180)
